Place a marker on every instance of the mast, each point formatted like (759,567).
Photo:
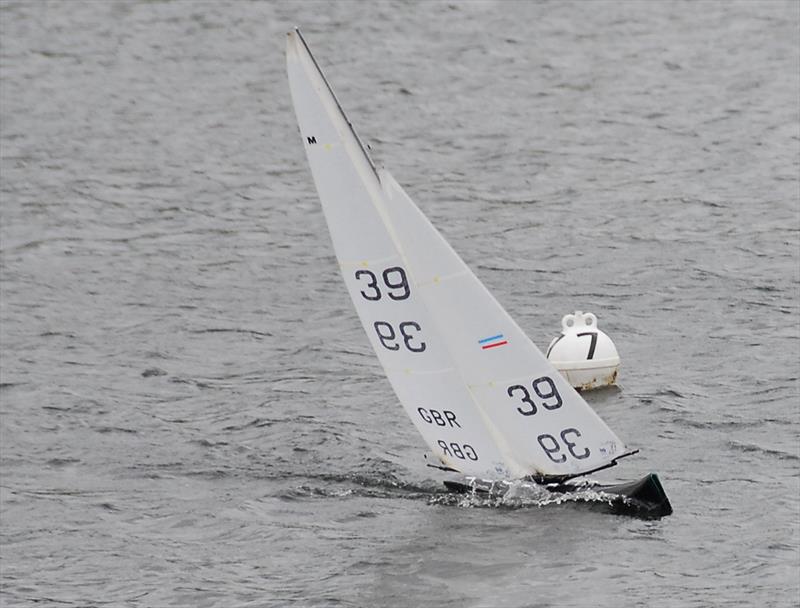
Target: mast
(338,105)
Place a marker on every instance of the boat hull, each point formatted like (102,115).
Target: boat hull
(644,498)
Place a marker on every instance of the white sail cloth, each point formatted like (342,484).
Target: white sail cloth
(484,398)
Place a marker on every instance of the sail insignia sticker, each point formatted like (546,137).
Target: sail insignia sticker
(492,341)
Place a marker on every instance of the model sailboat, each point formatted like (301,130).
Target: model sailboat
(486,401)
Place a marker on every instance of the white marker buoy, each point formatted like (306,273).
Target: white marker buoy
(583,354)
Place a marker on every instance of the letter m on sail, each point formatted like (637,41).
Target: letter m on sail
(312,139)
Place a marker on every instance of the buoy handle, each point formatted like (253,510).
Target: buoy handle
(578,320)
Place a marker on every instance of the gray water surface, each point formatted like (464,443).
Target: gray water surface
(191,414)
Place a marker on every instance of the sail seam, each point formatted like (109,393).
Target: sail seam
(367,262)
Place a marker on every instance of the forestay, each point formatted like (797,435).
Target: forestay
(484,398)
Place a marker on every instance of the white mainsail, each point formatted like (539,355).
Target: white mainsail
(484,398)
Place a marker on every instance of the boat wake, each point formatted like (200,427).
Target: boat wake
(512,495)
(517,494)
(644,498)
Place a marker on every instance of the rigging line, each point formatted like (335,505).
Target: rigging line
(545,479)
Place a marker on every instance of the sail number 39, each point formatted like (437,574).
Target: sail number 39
(393,284)
(548,397)
(408,330)
(552,447)
(546,391)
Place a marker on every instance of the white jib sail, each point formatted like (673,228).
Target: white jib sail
(548,427)
(484,398)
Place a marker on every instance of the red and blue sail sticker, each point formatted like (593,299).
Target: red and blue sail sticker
(493,342)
